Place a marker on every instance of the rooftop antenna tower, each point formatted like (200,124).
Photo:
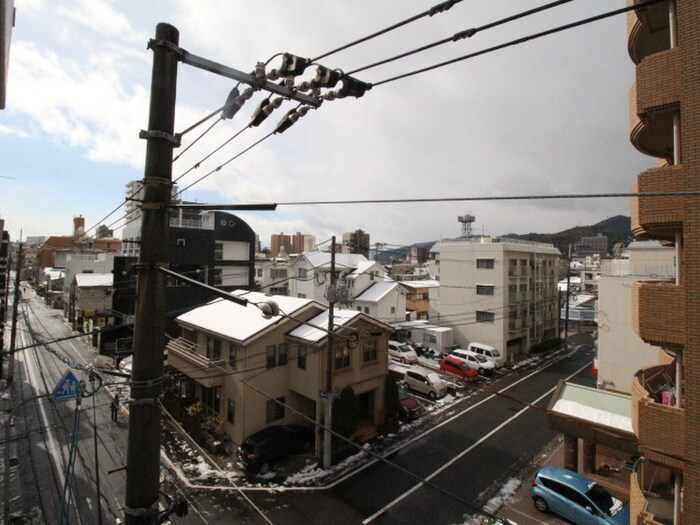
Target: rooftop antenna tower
(467,221)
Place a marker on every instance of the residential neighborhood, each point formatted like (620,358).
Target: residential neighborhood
(193,363)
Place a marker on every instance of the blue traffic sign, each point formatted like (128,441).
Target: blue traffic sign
(66,388)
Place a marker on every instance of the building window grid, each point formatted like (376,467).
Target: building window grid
(342,358)
(369,351)
(271,356)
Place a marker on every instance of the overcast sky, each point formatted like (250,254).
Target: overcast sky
(549,116)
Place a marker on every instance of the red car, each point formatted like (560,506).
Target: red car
(454,365)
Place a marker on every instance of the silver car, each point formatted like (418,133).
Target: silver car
(425,382)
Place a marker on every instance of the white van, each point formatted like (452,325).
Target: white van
(473,360)
(489,352)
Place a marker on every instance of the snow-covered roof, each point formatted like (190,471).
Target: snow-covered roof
(342,260)
(424,283)
(54,273)
(647,245)
(241,323)
(87,280)
(377,291)
(341,318)
(314,335)
(600,407)
(580,299)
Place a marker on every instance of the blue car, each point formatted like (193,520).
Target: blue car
(576,498)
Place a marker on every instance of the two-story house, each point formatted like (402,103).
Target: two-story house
(254,370)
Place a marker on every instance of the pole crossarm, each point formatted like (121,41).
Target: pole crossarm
(247,78)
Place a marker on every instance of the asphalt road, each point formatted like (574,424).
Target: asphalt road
(491,437)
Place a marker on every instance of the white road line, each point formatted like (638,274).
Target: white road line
(465,451)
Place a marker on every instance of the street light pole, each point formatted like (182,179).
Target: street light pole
(143,457)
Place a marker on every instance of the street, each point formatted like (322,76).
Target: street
(442,475)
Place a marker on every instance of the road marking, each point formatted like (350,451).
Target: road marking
(468,449)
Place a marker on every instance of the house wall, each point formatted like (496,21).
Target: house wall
(621,352)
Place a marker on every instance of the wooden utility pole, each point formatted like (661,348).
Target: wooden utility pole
(143,457)
(15,309)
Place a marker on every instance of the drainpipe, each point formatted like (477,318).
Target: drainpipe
(673,33)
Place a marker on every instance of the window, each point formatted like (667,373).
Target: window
(484,264)
(278,273)
(232,355)
(393,310)
(342,358)
(213,349)
(218,251)
(259,272)
(301,273)
(371,276)
(274,410)
(366,309)
(512,292)
(271,361)
(216,276)
(301,357)
(369,351)
(231,411)
(485,317)
(301,295)
(484,289)
(282,351)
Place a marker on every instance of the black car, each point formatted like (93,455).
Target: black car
(261,450)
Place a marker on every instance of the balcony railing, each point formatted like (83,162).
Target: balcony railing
(209,373)
(658,312)
(659,426)
(639,513)
(659,217)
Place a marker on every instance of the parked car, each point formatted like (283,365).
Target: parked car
(489,352)
(261,450)
(475,361)
(409,407)
(577,498)
(425,382)
(456,366)
(402,352)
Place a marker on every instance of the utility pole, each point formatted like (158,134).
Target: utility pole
(329,368)
(568,292)
(143,457)
(15,308)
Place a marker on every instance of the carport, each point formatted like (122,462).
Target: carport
(597,417)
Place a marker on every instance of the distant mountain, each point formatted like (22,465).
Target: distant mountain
(617,229)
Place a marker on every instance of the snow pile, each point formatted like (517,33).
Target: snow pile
(504,495)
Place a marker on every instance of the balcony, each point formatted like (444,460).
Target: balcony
(648,30)
(183,355)
(659,217)
(660,427)
(659,81)
(658,312)
(641,507)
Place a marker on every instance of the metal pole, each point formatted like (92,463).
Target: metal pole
(143,457)
(329,368)
(568,291)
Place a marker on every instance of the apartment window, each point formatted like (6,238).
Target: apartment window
(484,264)
(301,357)
(231,411)
(271,360)
(274,410)
(218,251)
(513,267)
(342,358)
(369,351)
(282,351)
(484,289)
(512,292)
(485,317)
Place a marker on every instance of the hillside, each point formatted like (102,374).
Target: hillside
(617,229)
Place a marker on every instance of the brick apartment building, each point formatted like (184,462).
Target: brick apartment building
(664,43)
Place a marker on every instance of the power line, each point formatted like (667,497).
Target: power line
(439,8)
(495,198)
(468,33)
(521,40)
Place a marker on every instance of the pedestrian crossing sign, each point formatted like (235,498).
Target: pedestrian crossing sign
(66,387)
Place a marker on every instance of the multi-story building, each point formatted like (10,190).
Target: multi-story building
(356,242)
(620,351)
(250,370)
(280,244)
(664,44)
(498,291)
